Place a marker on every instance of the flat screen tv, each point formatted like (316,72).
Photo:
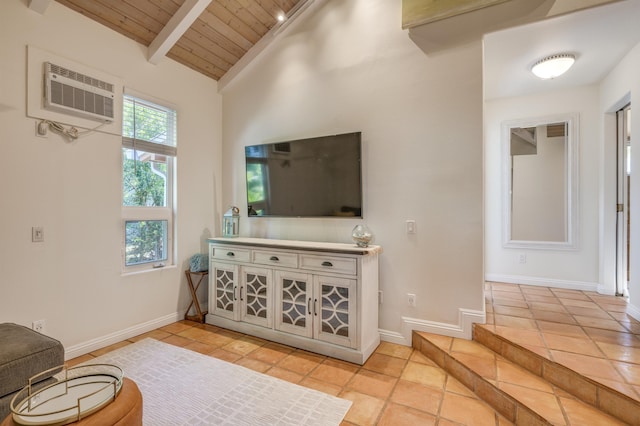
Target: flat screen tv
(314,177)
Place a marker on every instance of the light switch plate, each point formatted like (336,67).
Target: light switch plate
(37,234)
(411,226)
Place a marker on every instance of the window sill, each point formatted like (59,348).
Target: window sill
(145,271)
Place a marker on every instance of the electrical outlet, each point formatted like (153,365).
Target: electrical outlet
(411,226)
(38,326)
(523,258)
(411,299)
(41,128)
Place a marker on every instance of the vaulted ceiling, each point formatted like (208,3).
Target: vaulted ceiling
(218,37)
(209,36)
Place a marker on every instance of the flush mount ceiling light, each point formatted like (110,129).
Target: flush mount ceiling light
(553,66)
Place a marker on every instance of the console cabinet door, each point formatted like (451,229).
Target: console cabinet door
(255,296)
(223,290)
(334,312)
(294,295)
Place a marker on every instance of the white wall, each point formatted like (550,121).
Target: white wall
(73,280)
(570,269)
(350,67)
(618,88)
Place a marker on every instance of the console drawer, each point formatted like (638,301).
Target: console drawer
(229,253)
(341,265)
(289,260)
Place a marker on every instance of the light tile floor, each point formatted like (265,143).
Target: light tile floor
(588,332)
(396,386)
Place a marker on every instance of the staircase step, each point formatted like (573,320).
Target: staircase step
(522,386)
(593,392)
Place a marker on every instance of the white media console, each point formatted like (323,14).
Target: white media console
(321,297)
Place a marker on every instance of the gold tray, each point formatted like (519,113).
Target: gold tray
(79,392)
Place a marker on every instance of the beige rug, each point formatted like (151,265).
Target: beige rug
(182,387)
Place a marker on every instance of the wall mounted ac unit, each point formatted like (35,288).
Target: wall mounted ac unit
(71,92)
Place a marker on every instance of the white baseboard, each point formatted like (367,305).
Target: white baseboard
(463,329)
(634,311)
(604,289)
(544,282)
(118,336)
(393,337)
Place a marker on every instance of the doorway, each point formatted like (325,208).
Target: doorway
(623,216)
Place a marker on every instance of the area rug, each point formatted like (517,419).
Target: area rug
(182,387)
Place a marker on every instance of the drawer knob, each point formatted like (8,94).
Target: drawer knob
(274,258)
(230,254)
(327,263)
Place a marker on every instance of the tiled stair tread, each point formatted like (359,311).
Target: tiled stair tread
(607,397)
(517,394)
(596,366)
(592,334)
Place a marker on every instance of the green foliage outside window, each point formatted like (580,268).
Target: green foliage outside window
(144,122)
(144,182)
(149,138)
(144,185)
(145,241)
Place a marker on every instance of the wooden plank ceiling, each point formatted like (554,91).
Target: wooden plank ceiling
(218,38)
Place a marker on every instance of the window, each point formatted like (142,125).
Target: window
(148,157)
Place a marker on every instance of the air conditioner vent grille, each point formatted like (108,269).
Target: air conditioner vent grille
(82,100)
(57,69)
(71,92)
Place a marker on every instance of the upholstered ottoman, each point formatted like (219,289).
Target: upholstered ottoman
(23,354)
(125,410)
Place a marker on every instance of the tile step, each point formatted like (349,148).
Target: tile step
(589,391)
(505,375)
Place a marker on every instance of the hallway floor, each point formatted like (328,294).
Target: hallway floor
(587,332)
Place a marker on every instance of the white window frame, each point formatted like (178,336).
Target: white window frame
(140,213)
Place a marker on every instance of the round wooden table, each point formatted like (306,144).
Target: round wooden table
(125,410)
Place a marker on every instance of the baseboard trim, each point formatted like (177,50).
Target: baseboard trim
(544,282)
(464,328)
(393,337)
(118,336)
(603,289)
(634,311)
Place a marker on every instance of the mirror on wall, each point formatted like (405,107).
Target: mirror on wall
(540,182)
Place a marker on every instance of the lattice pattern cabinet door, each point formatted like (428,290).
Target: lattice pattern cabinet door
(255,296)
(334,312)
(293,303)
(224,295)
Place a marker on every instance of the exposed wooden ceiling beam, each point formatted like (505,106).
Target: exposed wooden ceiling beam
(219,32)
(175,28)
